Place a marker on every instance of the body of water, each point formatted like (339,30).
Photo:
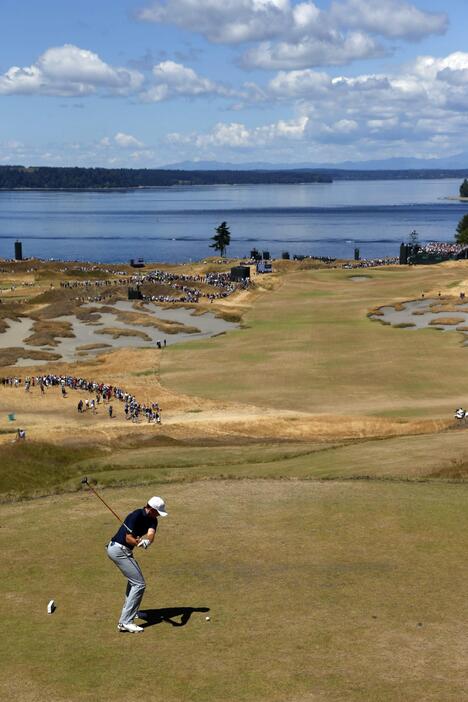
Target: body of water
(176,224)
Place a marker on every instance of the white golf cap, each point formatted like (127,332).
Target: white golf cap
(158,504)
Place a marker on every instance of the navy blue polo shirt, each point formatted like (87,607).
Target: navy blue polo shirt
(138,522)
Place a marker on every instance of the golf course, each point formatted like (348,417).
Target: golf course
(315,478)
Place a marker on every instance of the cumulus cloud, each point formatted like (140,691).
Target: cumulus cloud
(418,109)
(389,18)
(222,21)
(123,140)
(426,83)
(127,141)
(237,135)
(297,84)
(69,71)
(174,79)
(334,50)
(287,34)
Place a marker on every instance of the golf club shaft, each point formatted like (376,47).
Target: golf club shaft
(108,507)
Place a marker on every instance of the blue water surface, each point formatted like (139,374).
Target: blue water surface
(175,224)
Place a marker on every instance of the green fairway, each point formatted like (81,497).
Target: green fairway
(309,345)
(316,591)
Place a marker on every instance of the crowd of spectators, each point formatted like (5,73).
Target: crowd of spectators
(221,285)
(100,392)
(372,262)
(442,248)
(322,259)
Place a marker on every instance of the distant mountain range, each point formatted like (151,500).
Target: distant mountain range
(455,162)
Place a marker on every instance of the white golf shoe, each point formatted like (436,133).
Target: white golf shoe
(131,627)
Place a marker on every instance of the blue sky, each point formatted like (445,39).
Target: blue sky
(124,83)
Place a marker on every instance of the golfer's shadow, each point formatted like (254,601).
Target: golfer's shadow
(170,615)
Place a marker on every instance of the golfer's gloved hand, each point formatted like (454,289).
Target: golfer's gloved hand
(144,543)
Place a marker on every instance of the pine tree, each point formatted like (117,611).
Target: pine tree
(221,239)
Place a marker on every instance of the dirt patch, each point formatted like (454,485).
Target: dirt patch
(146,320)
(93,347)
(441,306)
(46,332)
(117,332)
(10,356)
(446,321)
(9,310)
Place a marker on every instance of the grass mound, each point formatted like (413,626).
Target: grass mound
(33,468)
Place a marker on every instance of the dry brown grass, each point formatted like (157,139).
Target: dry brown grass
(46,332)
(447,321)
(9,356)
(444,307)
(251,415)
(117,332)
(147,320)
(9,310)
(93,347)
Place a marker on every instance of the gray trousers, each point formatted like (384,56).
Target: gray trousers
(126,563)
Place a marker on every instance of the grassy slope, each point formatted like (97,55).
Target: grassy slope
(316,591)
(310,346)
(41,469)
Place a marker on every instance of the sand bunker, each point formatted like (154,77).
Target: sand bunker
(419,314)
(177,324)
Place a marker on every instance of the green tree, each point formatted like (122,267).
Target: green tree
(464,188)
(221,239)
(461,237)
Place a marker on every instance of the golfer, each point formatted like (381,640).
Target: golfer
(138,529)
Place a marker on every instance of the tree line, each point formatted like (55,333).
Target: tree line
(461,236)
(51,178)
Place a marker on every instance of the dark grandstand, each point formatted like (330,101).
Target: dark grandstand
(432,252)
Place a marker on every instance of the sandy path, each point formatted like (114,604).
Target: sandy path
(54,418)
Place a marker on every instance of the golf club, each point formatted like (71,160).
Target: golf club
(85,482)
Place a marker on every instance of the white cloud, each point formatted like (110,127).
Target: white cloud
(174,79)
(127,141)
(334,50)
(419,109)
(286,34)
(146,155)
(222,21)
(389,18)
(237,135)
(69,71)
